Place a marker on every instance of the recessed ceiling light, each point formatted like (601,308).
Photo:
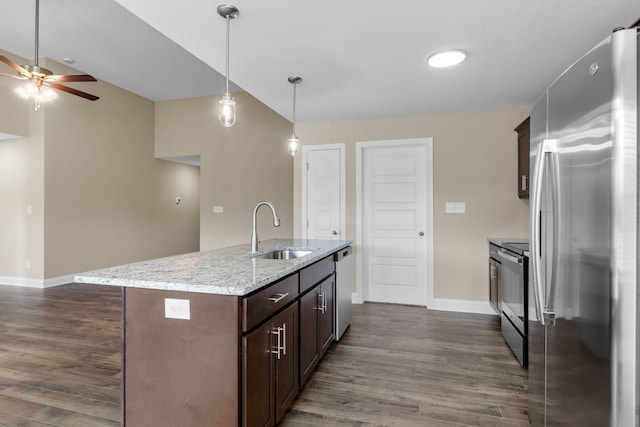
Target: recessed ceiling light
(448,58)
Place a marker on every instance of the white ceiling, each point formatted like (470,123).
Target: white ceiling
(357,58)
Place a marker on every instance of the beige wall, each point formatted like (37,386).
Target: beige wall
(240,166)
(475,161)
(13,115)
(99,198)
(22,206)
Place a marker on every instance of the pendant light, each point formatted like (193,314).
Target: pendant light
(226,105)
(294,141)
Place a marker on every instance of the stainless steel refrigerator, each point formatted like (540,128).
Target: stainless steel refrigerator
(583,311)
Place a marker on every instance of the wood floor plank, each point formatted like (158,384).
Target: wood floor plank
(400,366)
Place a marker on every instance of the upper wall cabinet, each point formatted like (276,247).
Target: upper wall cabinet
(523,158)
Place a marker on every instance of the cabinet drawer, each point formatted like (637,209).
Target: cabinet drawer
(314,273)
(262,304)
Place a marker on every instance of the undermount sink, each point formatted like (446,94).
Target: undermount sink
(285,254)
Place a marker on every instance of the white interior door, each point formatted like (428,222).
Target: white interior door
(396,225)
(323,188)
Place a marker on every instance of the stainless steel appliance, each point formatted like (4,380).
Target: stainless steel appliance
(513,319)
(583,338)
(495,275)
(344,271)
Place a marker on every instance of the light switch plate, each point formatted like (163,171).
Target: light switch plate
(218,209)
(455,207)
(177,309)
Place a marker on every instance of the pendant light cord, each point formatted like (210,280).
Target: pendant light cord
(294,109)
(228,53)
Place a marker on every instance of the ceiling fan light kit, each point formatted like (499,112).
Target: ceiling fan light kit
(227,105)
(40,80)
(294,141)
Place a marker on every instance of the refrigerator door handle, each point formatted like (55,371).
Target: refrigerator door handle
(548,146)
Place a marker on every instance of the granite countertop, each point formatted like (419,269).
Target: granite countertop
(226,271)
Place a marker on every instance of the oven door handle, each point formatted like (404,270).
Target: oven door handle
(508,257)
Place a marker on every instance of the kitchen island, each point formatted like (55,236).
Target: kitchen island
(222,338)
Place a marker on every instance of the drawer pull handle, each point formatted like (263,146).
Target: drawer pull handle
(278,297)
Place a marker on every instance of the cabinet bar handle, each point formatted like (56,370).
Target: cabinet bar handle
(324,302)
(284,339)
(278,297)
(279,345)
(321,304)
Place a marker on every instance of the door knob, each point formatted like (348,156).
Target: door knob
(421,233)
(334,232)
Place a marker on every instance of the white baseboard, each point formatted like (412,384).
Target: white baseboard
(57,281)
(463,306)
(35,283)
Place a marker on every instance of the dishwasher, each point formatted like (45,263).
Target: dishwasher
(343,290)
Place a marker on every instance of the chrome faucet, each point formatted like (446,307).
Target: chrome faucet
(254,233)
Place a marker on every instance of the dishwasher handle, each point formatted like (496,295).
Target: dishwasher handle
(502,254)
(338,256)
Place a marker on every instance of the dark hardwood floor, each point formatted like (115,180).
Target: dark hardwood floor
(396,366)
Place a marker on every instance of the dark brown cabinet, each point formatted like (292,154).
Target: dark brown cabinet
(523,158)
(234,360)
(270,369)
(316,325)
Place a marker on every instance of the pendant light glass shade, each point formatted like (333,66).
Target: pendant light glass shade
(226,105)
(294,145)
(294,141)
(227,110)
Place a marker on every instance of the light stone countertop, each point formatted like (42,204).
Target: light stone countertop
(226,271)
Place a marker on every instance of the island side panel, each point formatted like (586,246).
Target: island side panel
(180,372)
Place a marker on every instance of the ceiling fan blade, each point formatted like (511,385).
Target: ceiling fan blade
(73,91)
(13,76)
(70,78)
(15,66)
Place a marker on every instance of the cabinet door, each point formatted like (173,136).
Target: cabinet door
(258,400)
(286,360)
(523,130)
(309,351)
(326,315)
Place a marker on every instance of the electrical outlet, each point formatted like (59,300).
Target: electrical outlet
(218,209)
(455,207)
(27,265)
(177,309)
(29,210)
(178,200)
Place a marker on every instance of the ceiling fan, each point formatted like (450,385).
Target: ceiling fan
(41,80)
